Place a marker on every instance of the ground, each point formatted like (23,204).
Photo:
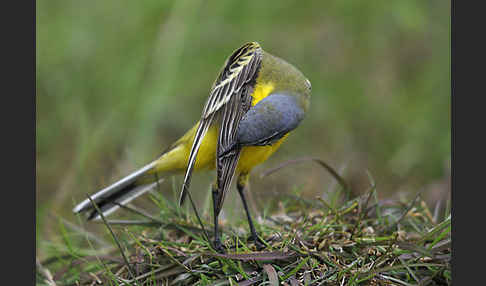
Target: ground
(359,241)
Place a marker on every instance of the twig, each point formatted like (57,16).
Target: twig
(405,213)
(269,255)
(131,222)
(113,235)
(335,174)
(199,219)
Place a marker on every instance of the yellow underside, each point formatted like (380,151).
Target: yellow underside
(175,160)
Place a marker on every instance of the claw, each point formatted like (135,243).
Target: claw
(218,246)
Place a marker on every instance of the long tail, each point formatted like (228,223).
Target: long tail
(121,192)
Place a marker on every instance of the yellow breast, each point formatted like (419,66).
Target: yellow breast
(261,91)
(176,159)
(255,155)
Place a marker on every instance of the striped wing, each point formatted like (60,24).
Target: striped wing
(231,91)
(228,151)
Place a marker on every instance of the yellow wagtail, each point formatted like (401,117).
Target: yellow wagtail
(256,100)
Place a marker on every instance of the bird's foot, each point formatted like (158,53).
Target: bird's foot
(218,246)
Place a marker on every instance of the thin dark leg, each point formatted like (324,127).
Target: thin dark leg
(254,236)
(218,246)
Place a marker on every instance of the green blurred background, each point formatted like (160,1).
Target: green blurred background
(118,81)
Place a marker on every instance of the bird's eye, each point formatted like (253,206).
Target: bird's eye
(309,86)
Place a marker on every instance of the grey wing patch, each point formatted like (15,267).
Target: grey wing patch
(269,120)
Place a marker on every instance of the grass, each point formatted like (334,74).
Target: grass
(358,241)
(118,82)
(127,75)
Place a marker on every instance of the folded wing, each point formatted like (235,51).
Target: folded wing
(230,99)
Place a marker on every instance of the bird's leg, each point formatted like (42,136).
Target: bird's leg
(241,186)
(218,246)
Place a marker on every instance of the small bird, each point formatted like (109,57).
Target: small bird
(255,101)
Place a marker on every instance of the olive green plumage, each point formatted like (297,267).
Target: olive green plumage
(255,101)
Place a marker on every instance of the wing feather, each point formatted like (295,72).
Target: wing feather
(228,91)
(227,162)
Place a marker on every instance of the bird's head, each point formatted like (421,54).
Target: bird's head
(284,78)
